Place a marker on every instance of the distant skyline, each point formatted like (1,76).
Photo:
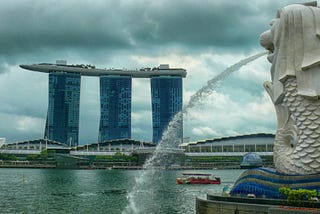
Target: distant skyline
(203,37)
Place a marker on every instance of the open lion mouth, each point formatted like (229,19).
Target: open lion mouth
(270,48)
(270,56)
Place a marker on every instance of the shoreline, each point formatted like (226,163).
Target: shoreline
(52,166)
(111,165)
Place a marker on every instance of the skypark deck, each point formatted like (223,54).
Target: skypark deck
(89,70)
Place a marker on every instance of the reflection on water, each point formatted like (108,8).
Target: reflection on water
(97,191)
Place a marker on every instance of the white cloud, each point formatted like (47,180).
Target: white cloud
(203,131)
(21,127)
(221,115)
(29,124)
(257,71)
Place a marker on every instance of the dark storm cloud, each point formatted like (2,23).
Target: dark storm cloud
(197,24)
(35,26)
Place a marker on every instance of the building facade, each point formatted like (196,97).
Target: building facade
(115,107)
(260,142)
(166,95)
(62,122)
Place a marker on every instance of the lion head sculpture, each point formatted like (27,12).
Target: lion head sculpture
(294,45)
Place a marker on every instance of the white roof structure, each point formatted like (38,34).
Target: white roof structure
(248,139)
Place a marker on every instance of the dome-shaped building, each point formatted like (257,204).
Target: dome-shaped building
(251,160)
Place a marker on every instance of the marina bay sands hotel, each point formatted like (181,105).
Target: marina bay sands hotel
(62,122)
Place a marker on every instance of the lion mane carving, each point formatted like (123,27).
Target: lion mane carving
(294,51)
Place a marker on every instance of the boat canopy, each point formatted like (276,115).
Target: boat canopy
(196,174)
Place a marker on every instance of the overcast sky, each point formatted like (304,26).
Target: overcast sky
(204,37)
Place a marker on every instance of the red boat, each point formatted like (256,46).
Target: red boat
(198,178)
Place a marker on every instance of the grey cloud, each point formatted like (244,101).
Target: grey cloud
(22,110)
(3,66)
(247,90)
(33,26)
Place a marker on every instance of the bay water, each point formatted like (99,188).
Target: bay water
(99,191)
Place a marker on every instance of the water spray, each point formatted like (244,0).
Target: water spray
(170,140)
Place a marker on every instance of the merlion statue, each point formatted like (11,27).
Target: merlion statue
(294,51)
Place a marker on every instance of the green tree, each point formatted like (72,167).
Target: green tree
(298,195)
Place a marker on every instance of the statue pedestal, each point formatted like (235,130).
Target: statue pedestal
(265,183)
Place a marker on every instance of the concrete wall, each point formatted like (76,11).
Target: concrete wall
(223,207)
